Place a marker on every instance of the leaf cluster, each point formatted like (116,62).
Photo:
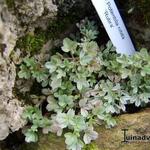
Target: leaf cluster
(35,117)
(31,68)
(85,85)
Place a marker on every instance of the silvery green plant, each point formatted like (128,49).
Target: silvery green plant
(85,85)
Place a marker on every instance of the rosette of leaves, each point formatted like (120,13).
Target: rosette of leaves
(85,84)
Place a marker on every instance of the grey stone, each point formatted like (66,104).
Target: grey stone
(10,108)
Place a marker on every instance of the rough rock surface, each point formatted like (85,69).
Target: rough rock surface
(8,29)
(10,107)
(137,124)
(35,12)
(16,17)
(109,139)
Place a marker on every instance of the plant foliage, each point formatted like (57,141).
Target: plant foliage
(85,85)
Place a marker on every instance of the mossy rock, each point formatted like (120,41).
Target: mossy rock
(46,142)
(31,42)
(52,142)
(58,28)
(92,146)
(10,4)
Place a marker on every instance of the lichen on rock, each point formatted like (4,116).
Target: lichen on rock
(16,17)
(35,13)
(11,108)
(8,26)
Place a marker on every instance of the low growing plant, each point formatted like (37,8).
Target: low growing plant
(85,85)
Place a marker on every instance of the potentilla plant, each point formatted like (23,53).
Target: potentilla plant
(84,86)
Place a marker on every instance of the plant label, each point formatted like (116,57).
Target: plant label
(114,25)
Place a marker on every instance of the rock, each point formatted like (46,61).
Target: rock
(10,108)
(8,26)
(19,16)
(109,139)
(15,18)
(46,142)
(137,124)
(35,13)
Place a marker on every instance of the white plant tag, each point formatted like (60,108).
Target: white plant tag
(114,25)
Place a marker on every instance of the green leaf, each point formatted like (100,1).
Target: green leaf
(46,91)
(31,136)
(56,83)
(145,97)
(64,119)
(109,45)
(110,109)
(79,123)
(144,53)
(82,83)
(111,122)
(88,29)
(39,75)
(85,60)
(137,102)
(29,111)
(71,138)
(125,73)
(90,135)
(90,48)
(24,72)
(51,66)
(52,104)
(146,70)
(30,62)
(72,141)
(54,63)
(60,73)
(84,112)
(69,45)
(65,100)
(34,128)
